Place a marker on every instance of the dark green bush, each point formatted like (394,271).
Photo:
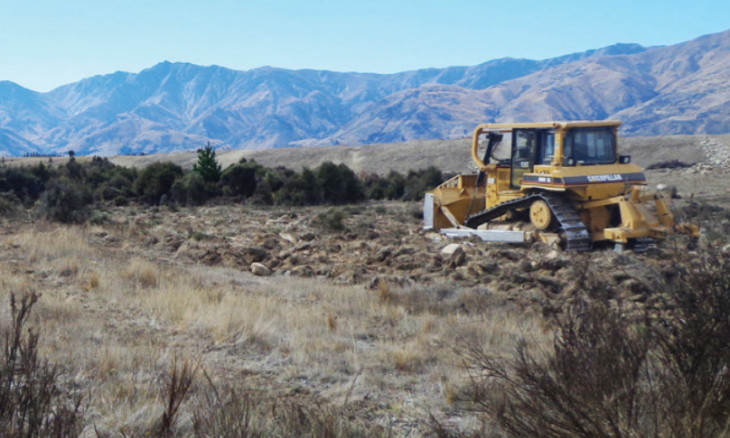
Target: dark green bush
(75,171)
(396,185)
(263,195)
(419,182)
(193,189)
(240,179)
(156,180)
(65,201)
(375,186)
(339,184)
(23,183)
(300,189)
(9,204)
(271,182)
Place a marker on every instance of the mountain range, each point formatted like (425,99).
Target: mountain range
(678,89)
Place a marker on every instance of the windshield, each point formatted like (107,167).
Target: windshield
(591,145)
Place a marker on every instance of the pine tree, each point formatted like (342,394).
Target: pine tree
(207,165)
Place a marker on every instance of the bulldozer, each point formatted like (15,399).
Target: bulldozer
(565,181)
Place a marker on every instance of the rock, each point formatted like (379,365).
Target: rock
(451,248)
(457,258)
(304,246)
(434,237)
(404,250)
(270,243)
(474,269)
(260,270)
(525,265)
(668,190)
(383,253)
(553,261)
(288,237)
(254,254)
(302,271)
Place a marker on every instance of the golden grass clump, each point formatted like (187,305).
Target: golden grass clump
(331,321)
(148,278)
(141,273)
(93,281)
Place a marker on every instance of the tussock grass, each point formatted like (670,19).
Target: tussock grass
(116,319)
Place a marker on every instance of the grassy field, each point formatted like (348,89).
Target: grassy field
(115,316)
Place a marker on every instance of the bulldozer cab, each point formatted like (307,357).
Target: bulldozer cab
(530,147)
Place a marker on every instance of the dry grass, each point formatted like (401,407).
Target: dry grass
(116,319)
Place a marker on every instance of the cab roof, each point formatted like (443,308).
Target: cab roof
(506,127)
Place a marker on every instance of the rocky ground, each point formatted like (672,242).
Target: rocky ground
(371,244)
(356,305)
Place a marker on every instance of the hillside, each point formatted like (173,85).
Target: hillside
(680,89)
(447,155)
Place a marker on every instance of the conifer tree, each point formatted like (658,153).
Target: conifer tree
(207,165)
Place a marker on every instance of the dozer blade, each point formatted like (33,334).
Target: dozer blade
(643,217)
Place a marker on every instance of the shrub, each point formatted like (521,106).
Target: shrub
(419,182)
(65,201)
(23,183)
(240,179)
(271,182)
(120,201)
(263,194)
(75,171)
(332,220)
(32,403)
(396,184)
(9,204)
(615,373)
(156,180)
(339,184)
(375,186)
(301,189)
(102,171)
(231,412)
(193,189)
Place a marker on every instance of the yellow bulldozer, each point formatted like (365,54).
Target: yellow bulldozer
(566,181)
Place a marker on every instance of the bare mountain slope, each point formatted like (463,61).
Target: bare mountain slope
(175,106)
(682,89)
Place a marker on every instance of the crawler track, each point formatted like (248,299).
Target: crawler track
(575,234)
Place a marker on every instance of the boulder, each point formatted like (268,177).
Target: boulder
(260,270)
(450,249)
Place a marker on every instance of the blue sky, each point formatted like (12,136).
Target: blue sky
(46,43)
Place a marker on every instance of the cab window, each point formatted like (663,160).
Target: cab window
(590,145)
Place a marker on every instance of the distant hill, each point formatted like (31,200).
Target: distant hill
(680,89)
